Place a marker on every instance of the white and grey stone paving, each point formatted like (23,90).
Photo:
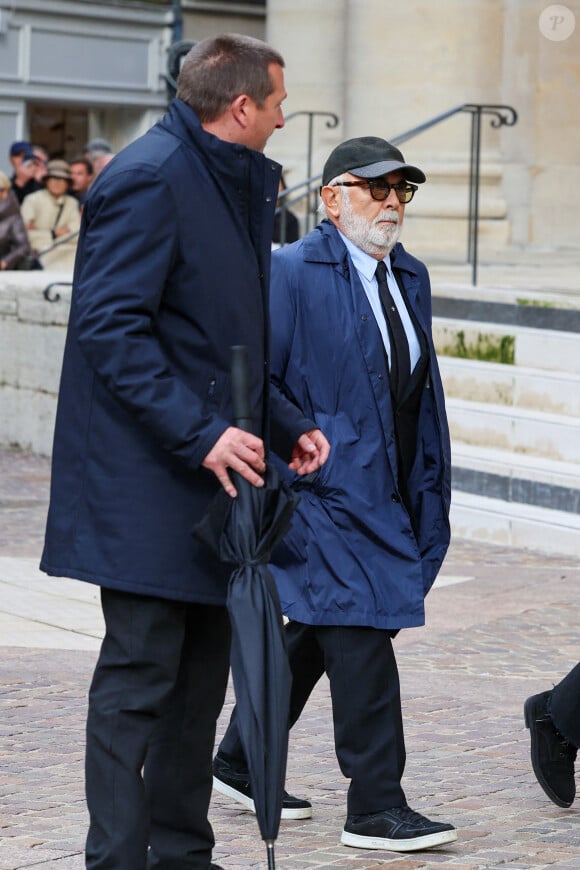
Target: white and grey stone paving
(501,624)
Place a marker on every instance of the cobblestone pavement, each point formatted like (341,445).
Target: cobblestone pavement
(501,625)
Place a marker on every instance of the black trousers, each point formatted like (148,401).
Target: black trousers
(157,691)
(565,706)
(366,707)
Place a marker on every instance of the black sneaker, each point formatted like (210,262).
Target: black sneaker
(552,756)
(234,782)
(399,829)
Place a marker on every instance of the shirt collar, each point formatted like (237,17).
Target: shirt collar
(363,262)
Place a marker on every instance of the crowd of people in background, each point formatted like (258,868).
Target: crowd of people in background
(41,204)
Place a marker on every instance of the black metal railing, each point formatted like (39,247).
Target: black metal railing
(47,292)
(331,123)
(307,190)
(501,116)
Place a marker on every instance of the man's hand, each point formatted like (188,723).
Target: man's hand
(242,452)
(310,452)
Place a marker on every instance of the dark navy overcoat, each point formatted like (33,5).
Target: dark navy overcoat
(172,269)
(351,556)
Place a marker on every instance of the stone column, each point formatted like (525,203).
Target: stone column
(385,67)
(541,78)
(310,34)
(408,62)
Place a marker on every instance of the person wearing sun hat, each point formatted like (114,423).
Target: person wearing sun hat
(52,218)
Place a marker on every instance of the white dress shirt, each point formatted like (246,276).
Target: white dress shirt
(366,266)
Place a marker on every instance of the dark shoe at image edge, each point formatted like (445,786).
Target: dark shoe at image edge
(552,756)
(398,829)
(235,783)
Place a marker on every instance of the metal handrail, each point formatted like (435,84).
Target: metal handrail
(502,116)
(331,123)
(46,292)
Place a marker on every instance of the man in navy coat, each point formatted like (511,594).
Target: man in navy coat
(172,270)
(352,348)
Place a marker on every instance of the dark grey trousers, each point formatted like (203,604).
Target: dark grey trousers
(157,691)
(366,707)
(565,706)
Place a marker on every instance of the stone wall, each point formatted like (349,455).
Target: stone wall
(30,357)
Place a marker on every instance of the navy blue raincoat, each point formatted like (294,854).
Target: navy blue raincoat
(172,269)
(351,556)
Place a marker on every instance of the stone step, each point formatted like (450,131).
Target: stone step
(535,274)
(518,430)
(512,386)
(546,349)
(514,477)
(452,228)
(532,309)
(513,524)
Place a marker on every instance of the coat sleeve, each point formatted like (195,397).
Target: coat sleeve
(129,244)
(19,241)
(288,421)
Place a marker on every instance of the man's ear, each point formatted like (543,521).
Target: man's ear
(242,110)
(331,198)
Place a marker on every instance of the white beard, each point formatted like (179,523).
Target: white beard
(374,236)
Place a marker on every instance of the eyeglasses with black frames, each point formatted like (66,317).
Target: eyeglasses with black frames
(380,189)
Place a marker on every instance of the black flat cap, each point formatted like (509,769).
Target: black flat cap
(368,157)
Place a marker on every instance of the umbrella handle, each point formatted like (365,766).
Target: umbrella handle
(241,387)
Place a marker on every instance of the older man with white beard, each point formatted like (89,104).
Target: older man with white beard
(352,348)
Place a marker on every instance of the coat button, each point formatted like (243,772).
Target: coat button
(364,318)
(395,498)
(381,377)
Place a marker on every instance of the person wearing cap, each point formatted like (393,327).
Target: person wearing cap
(100,153)
(352,348)
(24,166)
(97,148)
(14,247)
(52,218)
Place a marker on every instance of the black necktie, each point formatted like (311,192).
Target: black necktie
(400,360)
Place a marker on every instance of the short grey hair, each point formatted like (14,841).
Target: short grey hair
(321,210)
(218,69)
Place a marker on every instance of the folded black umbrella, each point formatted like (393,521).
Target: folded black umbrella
(243,531)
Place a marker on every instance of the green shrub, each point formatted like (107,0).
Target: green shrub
(486,347)
(536,303)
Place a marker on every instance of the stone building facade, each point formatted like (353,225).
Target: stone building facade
(386,66)
(71,70)
(74,69)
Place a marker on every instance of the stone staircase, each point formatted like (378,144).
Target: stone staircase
(515,428)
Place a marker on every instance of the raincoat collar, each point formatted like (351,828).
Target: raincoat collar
(324,245)
(227,159)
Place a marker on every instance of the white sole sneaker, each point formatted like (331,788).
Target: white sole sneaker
(413,845)
(247,802)
(288,813)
